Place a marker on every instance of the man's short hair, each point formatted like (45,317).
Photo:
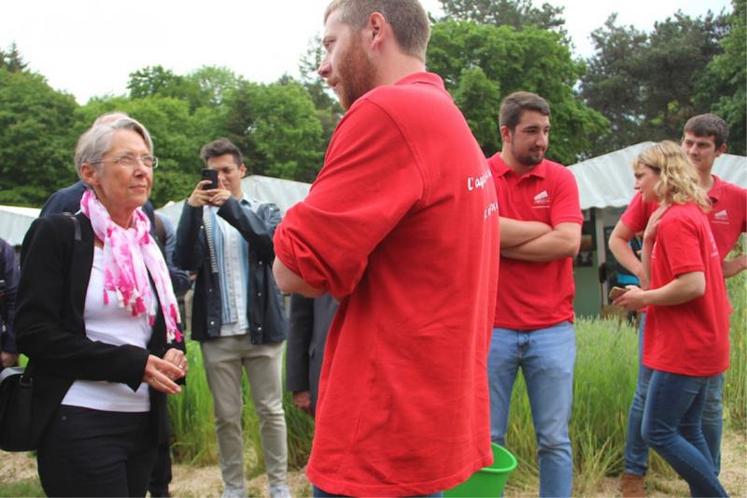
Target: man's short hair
(407,18)
(514,105)
(708,125)
(220,147)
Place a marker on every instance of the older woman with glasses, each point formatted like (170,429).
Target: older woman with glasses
(686,340)
(99,321)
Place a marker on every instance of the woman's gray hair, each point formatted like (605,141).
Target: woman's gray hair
(97,140)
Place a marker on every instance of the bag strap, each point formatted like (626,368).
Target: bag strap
(77,237)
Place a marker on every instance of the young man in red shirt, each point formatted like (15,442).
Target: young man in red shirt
(704,139)
(540,234)
(401,226)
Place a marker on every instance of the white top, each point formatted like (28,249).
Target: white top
(110,324)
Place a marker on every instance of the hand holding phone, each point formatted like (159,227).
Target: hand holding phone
(616,292)
(212,175)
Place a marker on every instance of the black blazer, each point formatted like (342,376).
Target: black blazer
(55,270)
(309,324)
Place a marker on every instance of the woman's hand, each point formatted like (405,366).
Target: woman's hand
(178,358)
(159,374)
(633,299)
(649,235)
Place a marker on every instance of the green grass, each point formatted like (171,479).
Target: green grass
(193,424)
(605,376)
(28,487)
(735,387)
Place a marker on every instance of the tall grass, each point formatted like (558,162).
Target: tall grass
(193,424)
(735,381)
(605,378)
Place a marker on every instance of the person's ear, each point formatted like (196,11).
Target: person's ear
(505,134)
(376,28)
(89,174)
(722,150)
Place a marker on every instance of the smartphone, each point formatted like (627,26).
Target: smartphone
(212,175)
(616,292)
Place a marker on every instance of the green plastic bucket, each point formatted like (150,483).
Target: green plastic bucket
(488,481)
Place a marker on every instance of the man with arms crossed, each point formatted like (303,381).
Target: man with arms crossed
(540,235)
(401,226)
(704,139)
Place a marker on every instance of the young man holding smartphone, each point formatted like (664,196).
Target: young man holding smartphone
(226,237)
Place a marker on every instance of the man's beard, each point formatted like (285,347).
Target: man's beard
(528,159)
(357,74)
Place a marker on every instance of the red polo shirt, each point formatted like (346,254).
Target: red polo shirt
(728,214)
(690,338)
(401,225)
(536,295)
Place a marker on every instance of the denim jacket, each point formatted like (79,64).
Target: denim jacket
(256,222)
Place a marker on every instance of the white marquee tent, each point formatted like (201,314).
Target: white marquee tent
(14,221)
(607,181)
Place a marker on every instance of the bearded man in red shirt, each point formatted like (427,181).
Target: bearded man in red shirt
(401,226)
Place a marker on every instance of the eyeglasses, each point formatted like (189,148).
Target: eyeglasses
(131,160)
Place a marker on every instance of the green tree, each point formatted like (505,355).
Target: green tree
(328,109)
(157,80)
(481,100)
(532,59)
(36,143)
(277,129)
(516,13)
(723,88)
(12,59)
(215,83)
(645,83)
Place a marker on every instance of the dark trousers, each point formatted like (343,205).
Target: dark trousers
(88,452)
(161,475)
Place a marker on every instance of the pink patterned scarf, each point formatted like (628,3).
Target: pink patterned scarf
(127,254)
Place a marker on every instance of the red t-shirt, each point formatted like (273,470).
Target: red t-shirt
(690,338)
(728,214)
(536,295)
(401,225)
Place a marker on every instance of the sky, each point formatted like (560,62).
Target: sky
(89,47)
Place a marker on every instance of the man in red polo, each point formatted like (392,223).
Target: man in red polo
(401,226)
(540,235)
(704,139)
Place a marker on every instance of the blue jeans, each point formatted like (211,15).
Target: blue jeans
(672,426)
(320,493)
(546,358)
(636,450)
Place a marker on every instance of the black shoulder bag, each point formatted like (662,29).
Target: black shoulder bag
(16,392)
(16,398)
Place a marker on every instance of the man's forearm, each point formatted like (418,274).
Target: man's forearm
(289,282)
(625,256)
(562,242)
(517,232)
(734,266)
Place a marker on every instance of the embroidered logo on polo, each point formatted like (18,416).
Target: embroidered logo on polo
(721,217)
(541,200)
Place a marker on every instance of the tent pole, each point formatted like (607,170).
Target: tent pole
(601,248)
